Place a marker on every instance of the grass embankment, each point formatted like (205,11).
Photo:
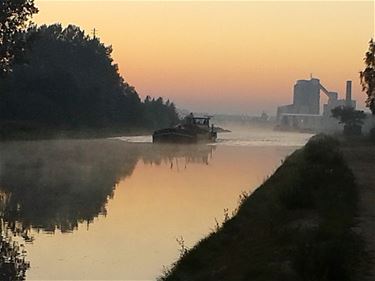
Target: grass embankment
(297,226)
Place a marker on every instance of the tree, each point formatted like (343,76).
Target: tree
(14,16)
(368,76)
(70,82)
(351,118)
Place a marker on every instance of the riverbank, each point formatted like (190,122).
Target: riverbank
(299,225)
(360,156)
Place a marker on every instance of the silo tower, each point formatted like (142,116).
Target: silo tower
(306,99)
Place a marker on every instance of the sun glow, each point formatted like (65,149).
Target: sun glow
(241,57)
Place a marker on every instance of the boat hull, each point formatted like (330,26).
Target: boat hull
(182,136)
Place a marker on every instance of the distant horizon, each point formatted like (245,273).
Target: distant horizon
(239,58)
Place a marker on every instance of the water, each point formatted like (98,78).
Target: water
(112,209)
(241,137)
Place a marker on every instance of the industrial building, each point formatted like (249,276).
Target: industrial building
(304,112)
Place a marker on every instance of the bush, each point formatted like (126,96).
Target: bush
(372,135)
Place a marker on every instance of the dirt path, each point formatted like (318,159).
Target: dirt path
(361,160)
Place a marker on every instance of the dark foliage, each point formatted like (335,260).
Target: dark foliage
(368,76)
(152,108)
(351,118)
(71,83)
(372,135)
(14,16)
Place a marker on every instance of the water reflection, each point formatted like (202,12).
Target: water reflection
(176,155)
(49,185)
(159,192)
(13,265)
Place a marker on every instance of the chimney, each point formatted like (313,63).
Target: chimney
(348,93)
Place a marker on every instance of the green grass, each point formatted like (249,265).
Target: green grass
(297,226)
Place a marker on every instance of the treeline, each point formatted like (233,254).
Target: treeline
(68,81)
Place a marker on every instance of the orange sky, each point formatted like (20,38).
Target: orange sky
(233,57)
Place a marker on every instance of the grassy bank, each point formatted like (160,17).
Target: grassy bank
(299,225)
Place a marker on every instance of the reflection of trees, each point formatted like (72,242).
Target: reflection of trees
(13,265)
(49,185)
(59,184)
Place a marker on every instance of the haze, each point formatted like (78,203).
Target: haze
(225,57)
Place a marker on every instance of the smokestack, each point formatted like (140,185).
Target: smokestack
(348,93)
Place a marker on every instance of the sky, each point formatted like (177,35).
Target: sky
(224,56)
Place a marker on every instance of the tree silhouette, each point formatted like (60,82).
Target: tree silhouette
(14,15)
(351,118)
(368,76)
(71,83)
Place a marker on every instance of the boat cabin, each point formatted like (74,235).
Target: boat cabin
(201,122)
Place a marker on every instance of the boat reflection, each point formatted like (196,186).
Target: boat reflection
(173,154)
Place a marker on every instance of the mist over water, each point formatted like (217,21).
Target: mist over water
(262,138)
(113,208)
(242,136)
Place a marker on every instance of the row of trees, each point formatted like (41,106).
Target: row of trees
(71,82)
(62,79)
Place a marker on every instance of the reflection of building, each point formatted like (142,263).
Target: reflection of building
(304,112)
